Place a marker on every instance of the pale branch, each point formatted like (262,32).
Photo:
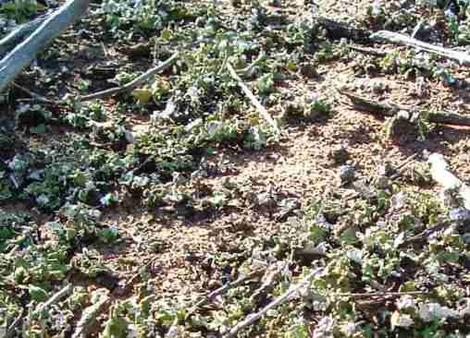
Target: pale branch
(389,109)
(10,40)
(254,101)
(443,176)
(24,53)
(461,57)
(252,318)
(90,313)
(134,83)
(55,298)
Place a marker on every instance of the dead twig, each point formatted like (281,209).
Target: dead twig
(55,298)
(134,83)
(254,101)
(252,318)
(389,110)
(37,97)
(461,57)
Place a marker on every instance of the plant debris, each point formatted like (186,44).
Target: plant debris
(204,169)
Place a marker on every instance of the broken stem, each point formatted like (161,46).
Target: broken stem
(55,298)
(254,101)
(252,318)
(134,83)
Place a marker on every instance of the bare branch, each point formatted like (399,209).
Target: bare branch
(402,39)
(55,298)
(13,38)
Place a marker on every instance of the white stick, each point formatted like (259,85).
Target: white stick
(55,297)
(254,101)
(14,37)
(461,57)
(441,174)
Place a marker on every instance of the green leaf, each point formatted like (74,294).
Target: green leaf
(143,95)
(317,234)
(116,327)
(265,84)
(38,294)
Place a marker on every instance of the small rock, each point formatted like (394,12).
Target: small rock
(347,174)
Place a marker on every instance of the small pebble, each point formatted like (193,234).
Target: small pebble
(347,174)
